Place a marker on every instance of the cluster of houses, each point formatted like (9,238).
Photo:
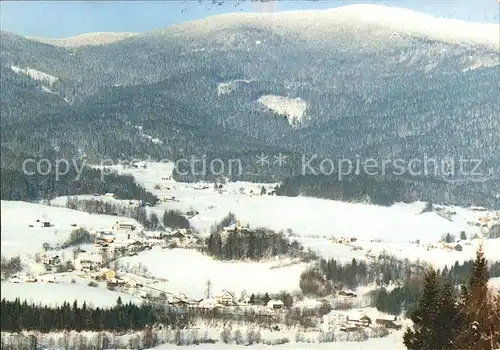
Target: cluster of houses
(343,240)
(457,246)
(357,320)
(31,279)
(225,300)
(125,238)
(40,223)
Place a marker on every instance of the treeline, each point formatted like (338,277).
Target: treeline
(77,237)
(494,231)
(11,266)
(384,190)
(21,186)
(447,320)
(175,219)
(251,244)
(328,275)
(171,218)
(17,316)
(405,297)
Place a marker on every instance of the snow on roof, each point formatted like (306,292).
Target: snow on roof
(356,315)
(208,302)
(89,257)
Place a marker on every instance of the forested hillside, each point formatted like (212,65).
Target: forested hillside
(199,89)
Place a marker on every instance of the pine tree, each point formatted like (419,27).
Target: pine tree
(424,335)
(448,321)
(477,305)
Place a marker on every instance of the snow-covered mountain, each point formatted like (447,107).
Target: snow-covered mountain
(314,24)
(360,79)
(87,39)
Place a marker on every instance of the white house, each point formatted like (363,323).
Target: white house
(87,262)
(244,299)
(274,304)
(226,298)
(124,226)
(358,318)
(50,260)
(208,303)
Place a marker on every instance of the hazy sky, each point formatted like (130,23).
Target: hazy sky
(67,18)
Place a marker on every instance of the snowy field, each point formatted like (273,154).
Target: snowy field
(391,342)
(57,293)
(20,239)
(495,282)
(437,257)
(187,271)
(305,216)
(315,220)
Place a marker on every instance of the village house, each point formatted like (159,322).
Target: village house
(358,319)
(391,324)
(226,298)
(105,274)
(208,304)
(130,282)
(274,304)
(50,260)
(47,279)
(184,303)
(88,262)
(154,235)
(135,247)
(244,299)
(183,238)
(29,279)
(458,247)
(124,226)
(156,242)
(42,223)
(349,328)
(343,293)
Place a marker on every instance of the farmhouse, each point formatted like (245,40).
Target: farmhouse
(124,226)
(208,304)
(51,260)
(274,304)
(47,279)
(135,247)
(29,279)
(244,299)
(226,298)
(388,323)
(358,319)
(105,274)
(184,303)
(343,293)
(133,283)
(87,262)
